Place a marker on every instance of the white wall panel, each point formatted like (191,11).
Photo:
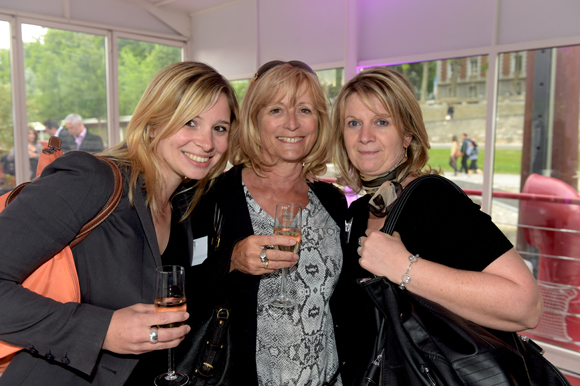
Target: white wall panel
(44,7)
(411,27)
(525,20)
(309,30)
(118,14)
(226,38)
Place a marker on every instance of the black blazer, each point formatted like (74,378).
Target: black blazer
(67,141)
(242,289)
(92,143)
(115,264)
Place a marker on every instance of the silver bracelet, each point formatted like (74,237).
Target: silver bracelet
(406,278)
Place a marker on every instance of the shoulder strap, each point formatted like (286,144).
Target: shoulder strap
(109,207)
(399,204)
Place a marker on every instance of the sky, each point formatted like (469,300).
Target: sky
(29,33)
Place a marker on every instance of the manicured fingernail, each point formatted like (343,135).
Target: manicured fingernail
(186,315)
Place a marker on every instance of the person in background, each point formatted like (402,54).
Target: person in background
(176,141)
(450,112)
(382,147)
(84,139)
(465,141)
(52,128)
(282,145)
(34,148)
(455,154)
(473,154)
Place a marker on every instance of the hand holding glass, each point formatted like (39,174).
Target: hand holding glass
(287,222)
(170,296)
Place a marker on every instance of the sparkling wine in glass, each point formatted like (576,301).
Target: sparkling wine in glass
(170,296)
(287,222)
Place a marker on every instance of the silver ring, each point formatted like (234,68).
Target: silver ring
(358,250)
(153,335)
(360,240)
(263,257)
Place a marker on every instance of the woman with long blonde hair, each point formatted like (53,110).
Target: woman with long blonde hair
(177,140)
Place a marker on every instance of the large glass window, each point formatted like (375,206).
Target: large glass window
(7,168)
(65,73)
(536,201)
(240,86)
(452,95)
(138,62)
(332,81)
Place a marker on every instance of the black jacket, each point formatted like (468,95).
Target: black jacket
(242,289)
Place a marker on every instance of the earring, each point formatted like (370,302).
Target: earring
(406,152)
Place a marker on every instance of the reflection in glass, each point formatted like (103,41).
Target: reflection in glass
(537,135)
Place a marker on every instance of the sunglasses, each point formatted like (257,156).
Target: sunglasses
(275,63)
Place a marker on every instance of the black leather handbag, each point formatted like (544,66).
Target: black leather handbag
(206,355)
(422,343)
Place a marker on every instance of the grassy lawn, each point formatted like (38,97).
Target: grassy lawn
(506,161)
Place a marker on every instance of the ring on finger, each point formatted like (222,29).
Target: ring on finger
(360,240)
(153,335)
(358,250)
(263,257)
(265,263)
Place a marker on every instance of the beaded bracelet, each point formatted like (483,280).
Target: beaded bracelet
(406,278)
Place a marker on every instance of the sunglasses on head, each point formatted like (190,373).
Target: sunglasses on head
(275,63)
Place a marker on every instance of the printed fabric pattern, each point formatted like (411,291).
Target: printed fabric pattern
(297,346)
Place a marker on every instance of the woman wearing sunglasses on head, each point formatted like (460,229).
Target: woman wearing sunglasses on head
(282,145)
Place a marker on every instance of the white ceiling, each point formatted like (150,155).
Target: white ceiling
(190,6)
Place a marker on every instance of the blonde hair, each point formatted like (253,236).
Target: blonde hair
(178,93)
(397,97)
(272,82)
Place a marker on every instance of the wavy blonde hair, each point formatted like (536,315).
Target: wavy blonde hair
(178,93)
(269,87)
(397,97)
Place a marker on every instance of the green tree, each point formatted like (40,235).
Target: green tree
(65,73)
(415,73)
(138,64)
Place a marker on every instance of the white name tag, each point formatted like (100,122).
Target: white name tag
(199,251)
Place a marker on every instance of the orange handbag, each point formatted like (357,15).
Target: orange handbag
(57,278)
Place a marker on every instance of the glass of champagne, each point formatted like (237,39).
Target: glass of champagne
(170,296)
(287,222)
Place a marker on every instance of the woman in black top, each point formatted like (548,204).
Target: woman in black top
(381,147)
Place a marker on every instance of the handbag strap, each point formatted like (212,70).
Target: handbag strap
(105,212)
(109,207)
(373,371)
(215,343)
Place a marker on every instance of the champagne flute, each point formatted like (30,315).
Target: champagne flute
(287,222)
(170,296)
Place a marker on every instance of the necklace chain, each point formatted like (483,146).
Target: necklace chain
(273,195)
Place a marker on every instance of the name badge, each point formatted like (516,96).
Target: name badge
(199,251)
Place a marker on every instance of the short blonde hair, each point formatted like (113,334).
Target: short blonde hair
(178,93)
(272,82)
(397,97)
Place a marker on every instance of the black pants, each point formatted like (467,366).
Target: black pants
(464,164)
